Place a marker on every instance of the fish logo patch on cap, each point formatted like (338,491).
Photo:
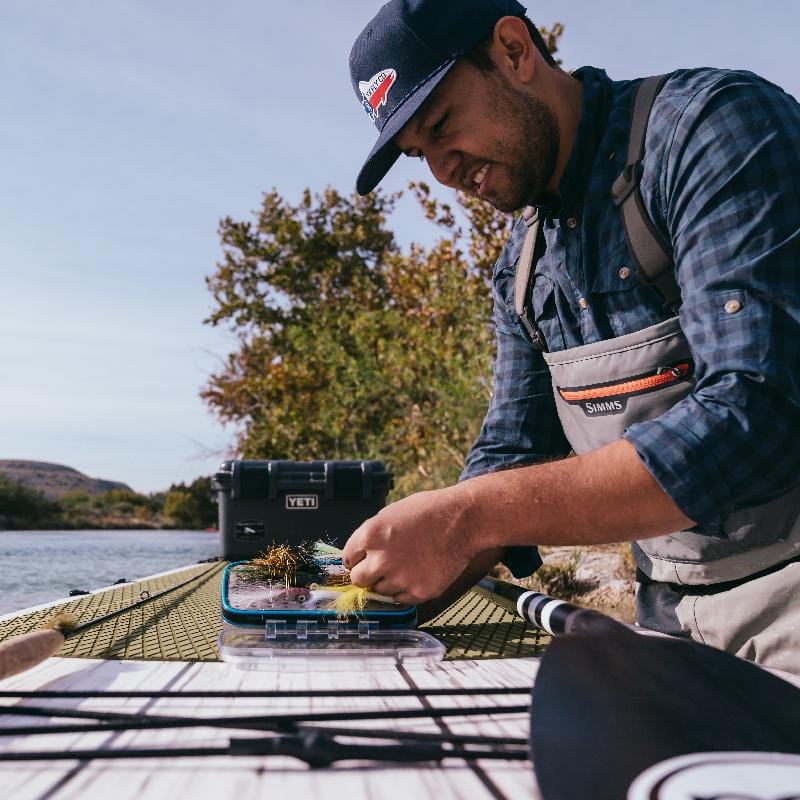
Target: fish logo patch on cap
(375,90)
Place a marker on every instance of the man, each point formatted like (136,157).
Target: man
(686,427)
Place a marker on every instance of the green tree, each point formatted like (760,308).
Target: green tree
(206,502)
(190,506)
(23,507)
(180,507)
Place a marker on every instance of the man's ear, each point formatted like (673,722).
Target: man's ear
(512,49)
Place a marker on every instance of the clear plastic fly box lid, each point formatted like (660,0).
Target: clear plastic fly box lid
(281,625)
(305,647)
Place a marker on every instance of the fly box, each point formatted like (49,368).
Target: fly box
(261,502)
(250,598)
(291,623)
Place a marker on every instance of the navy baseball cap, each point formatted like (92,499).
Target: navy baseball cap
(403,54)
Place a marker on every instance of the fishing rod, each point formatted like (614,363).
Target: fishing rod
(314,748)
(23,652)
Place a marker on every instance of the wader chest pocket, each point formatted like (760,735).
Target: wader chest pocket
(603,388)
(612,397)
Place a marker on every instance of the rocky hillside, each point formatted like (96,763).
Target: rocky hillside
(54,480)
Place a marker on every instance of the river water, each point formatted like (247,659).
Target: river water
(40,566)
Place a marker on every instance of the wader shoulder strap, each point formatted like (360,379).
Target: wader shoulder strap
(531,252)
(652,256)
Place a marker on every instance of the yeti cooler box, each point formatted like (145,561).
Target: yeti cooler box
(261,502)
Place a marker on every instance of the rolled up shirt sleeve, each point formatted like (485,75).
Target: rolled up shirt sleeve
(521,426)
(728,196)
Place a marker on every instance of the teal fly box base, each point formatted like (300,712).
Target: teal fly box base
(261,502)
(268,624)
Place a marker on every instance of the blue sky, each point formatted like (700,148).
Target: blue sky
(128,129)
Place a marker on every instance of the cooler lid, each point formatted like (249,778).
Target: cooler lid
(333,479)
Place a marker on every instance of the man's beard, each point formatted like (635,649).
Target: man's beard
(527,156)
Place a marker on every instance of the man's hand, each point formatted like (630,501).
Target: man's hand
(415,548)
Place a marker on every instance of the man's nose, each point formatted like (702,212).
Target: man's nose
(443,164)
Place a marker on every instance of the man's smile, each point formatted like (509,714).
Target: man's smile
(480,176)
(473,178)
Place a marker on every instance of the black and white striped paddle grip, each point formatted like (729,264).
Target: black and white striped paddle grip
(554,616)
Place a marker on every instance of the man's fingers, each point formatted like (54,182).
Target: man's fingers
(393,590)
(387,587)
(353,550)
(366,573)
(356,556)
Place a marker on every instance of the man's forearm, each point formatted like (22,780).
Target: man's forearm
(603,496)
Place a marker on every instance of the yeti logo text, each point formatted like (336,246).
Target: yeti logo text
(302,502)
(375,90)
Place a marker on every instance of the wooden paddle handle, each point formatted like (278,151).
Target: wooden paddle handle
(28,650)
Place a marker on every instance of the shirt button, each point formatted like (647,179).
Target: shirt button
(572,222)
(732,306)
(582,304)
(624,273)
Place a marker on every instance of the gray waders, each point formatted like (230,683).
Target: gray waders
(739,593)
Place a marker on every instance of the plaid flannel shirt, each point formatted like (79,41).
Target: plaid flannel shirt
(722,184)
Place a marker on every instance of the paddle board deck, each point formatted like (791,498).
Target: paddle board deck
(257,777)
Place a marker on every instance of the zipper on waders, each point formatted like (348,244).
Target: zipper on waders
(627,387)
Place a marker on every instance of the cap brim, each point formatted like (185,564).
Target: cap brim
(385,152)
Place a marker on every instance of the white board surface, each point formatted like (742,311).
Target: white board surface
(250,778)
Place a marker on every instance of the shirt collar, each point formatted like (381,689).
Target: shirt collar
(595,108)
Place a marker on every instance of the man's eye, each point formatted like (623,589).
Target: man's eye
(437,129)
